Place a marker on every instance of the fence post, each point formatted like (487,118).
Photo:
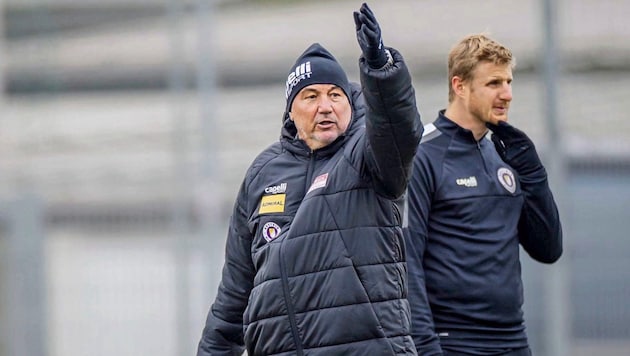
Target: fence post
(23,282)
(557,329)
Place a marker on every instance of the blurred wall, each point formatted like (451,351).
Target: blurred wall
(132,123)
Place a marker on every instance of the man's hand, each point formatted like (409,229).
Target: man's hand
(369,37)
(515,148)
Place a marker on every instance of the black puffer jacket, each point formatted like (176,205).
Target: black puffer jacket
(315,257)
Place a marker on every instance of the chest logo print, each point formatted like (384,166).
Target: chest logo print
(276,189)
(506,178)
(319,182)
(469,182)
(270,231)
(272,204)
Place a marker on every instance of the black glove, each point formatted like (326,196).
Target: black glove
(515,148)
(369,37)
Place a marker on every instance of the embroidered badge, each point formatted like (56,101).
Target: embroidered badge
(506,178)
(272,204)
(270,231)
(319,182)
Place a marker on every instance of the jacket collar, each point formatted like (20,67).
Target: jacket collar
(452,129)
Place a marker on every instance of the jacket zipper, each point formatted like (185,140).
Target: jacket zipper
(483,160)
(285,278)
(309,171)
(289,303)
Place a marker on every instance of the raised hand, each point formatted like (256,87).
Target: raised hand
(369,37)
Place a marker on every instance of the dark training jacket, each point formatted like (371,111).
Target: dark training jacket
(315,257)
(468,212)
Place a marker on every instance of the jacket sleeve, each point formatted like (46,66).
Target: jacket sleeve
(419,199)
(393,123)
(539,228)
(223,332)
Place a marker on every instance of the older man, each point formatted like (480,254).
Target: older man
(315,257)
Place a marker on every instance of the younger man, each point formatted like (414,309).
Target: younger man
(472,201)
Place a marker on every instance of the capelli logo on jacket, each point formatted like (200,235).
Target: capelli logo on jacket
(469,182)
(302,71)
(276,189)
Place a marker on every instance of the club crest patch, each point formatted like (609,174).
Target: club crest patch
(270,231)
(506,178)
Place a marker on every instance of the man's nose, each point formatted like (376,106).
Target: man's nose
(325,104)
(506,93)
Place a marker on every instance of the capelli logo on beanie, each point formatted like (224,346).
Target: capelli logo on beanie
(315,66)
(302,71)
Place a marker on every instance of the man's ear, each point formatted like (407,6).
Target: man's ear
(458,85)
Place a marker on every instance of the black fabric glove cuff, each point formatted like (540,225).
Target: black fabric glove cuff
(380,58)
(527,163)
(384,59)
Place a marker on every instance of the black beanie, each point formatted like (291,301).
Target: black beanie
(315,66)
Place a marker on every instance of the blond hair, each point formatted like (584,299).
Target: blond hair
(470,51)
